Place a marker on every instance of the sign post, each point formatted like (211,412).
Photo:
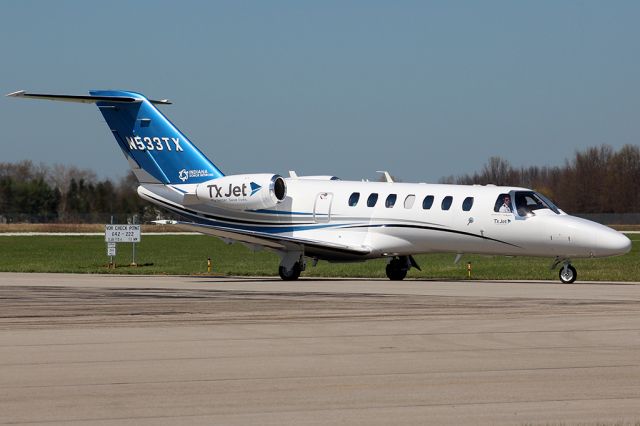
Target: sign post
(111,252)
(122,234)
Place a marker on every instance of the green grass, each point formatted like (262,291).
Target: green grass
(187,254)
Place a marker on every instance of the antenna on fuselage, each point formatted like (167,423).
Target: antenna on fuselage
(387,176)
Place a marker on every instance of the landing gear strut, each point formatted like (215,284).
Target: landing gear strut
(398,267)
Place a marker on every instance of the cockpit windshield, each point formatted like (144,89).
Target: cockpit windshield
(529,201)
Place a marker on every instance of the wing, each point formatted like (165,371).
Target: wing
(275,242)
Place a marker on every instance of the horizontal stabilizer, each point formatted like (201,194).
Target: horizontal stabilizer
(84,99)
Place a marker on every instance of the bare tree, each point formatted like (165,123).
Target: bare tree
(61,177)
(497,171)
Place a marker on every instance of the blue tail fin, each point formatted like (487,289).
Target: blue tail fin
(157,151)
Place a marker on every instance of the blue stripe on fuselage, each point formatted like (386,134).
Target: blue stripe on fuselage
(284,212)
(269,228)
(274,230)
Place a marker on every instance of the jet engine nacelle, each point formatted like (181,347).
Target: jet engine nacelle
(243,192)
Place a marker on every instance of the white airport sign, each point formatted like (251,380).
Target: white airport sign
(111,249)
(122,233)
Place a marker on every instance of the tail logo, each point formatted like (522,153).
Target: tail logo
(183,175)
(254,187)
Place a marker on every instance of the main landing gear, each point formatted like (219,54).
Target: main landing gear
(398,267)
(568,273)
(291,265)
(290,274)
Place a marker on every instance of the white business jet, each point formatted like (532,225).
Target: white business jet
(324,218)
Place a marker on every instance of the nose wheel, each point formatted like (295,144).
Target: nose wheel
(568,274)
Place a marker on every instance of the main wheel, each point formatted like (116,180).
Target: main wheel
(396,270)
(290,274)
(569,275)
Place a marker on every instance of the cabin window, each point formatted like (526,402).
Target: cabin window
(446,202)
(390,201)
(408,202)
(353,200)
(467,204)
(427,202)
(372,200)
(503,204)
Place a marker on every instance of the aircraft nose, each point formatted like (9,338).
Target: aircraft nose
(611,243)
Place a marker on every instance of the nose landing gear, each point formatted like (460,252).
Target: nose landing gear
(567,273)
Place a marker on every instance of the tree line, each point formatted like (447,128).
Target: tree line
(596,180)
(38,193)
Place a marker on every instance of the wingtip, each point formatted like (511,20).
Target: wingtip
(16,94)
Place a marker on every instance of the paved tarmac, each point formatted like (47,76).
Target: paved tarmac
(112,350)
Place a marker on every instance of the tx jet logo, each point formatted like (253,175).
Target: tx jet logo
(216,191)
(136,143)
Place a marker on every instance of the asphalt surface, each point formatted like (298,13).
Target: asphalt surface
(110,350)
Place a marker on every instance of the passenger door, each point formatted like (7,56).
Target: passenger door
(322,207)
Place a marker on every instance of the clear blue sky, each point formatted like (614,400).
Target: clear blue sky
(422,89)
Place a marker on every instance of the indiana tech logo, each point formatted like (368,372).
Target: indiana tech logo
(185,174)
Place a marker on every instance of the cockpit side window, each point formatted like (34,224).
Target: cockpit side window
(549,203)
(503,204)
(529,201)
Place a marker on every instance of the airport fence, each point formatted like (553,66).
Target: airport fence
(88,218)
(612,218)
